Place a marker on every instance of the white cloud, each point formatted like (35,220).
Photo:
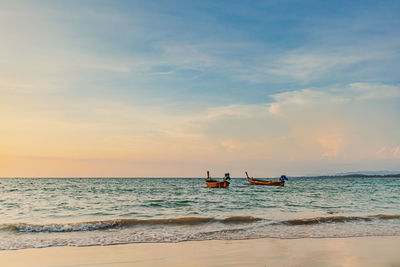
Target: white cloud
(306,124)
(325,61)
(291,99)
(375,90)
(242,111)
(309,66)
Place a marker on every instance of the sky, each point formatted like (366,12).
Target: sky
(176,88)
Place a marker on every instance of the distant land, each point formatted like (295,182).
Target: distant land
(374,173)
(360,174)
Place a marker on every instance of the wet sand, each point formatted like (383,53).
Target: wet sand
(358,251)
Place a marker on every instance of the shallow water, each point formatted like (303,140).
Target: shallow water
(73,211)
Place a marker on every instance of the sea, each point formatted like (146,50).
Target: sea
(48,212)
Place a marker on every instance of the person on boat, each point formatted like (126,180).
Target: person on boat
(208,176)
(283,178)
(227,177)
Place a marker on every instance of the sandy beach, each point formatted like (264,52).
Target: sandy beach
(360,251)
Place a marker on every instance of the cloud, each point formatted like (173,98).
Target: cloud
(311,124)
(396,152)
(331,144)
(324,62)
(387,153)
(243,111)
(310,66)
(296,99)
(375,91)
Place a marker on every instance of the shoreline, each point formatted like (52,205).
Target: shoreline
(348,251)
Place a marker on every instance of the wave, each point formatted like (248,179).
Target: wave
(123,231)
(338,219)
(120,223)
(188,221)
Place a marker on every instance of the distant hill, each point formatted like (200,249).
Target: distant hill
(360,174)
(373,173)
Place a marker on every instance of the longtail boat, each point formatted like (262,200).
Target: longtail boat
(280,182)
(217,184)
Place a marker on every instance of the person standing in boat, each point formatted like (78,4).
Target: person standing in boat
(208,176)
(227,177)
(283,178)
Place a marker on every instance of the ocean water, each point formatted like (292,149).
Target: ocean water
(104,211)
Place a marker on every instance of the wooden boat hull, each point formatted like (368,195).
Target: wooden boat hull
(266,182)
(217,184)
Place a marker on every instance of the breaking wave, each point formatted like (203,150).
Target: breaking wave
(339,219)
(122,223)
(188,221)
(126,231)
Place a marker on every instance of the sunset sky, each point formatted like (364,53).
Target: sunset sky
(176,88)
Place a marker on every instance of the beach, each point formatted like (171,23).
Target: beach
(352,251)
